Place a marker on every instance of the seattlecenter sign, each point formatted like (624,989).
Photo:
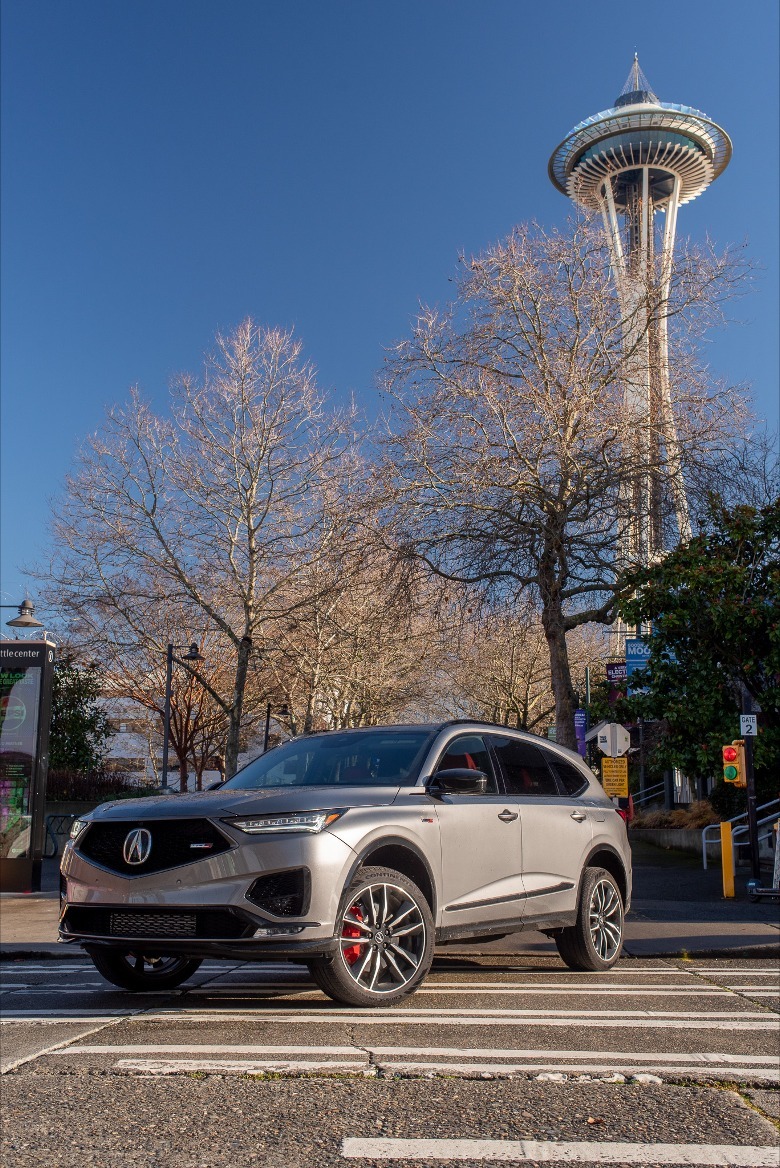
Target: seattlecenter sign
(614,777)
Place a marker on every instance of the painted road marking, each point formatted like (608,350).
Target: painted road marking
(492,991)
(261,1066)
(365,1019)
(448,1060)
(448,1051)
(241,1067)
(500,1016)
(547,1151)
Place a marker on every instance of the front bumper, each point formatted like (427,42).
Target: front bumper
(97,903)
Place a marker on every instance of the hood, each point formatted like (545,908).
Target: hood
(263,801)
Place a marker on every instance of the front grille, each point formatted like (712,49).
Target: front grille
(284,894)
(153,924)
(174,842)
(170,924)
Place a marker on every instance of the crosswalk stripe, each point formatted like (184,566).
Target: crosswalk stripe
(539,1020)
(237,1049)
(493,990)
(544,1151)
(172,1066)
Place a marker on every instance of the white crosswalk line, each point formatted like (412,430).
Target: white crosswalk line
(459,1052)
(159,1058)
(544,1151)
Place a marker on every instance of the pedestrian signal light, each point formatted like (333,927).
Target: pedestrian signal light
(734,764)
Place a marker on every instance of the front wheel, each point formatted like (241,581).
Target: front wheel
(136,971)
(595,941)
(385,938)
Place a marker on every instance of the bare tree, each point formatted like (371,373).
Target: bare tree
(510,449)
(366,649)
(217,504)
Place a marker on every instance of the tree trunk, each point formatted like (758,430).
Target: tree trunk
(183,775)
(560,674)
(237,708)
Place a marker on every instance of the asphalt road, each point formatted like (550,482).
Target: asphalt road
(511,1060)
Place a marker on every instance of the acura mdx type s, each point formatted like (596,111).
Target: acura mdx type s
(355,852)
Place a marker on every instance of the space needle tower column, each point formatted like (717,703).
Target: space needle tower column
(629,162)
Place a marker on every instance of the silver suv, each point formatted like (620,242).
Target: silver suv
(354,852)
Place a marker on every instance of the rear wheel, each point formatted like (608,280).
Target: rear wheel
(385,941)
(595,941)
(136,971)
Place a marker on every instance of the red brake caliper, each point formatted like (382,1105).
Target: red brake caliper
(352,952)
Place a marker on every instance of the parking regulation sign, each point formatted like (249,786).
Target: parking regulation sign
(748,725)
(614,776)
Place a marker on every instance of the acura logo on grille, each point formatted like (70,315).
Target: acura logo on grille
(137,846)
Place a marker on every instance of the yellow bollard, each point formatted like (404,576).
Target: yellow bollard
(727,860)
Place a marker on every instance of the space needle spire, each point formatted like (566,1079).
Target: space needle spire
(638,158)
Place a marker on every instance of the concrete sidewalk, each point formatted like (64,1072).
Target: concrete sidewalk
(677,910)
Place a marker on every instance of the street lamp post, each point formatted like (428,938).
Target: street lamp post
(25,619)
(192,654)
(283,712)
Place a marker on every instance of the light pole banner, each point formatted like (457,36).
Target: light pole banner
(637,657)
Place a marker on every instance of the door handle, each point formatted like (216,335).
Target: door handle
(507,816)
(579,816)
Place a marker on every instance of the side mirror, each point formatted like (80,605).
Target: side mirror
(459,781)
(214,786)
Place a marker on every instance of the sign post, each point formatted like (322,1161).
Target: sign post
(749,726)
(26,672)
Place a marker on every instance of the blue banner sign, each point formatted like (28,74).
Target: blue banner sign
(637,657)
(580,728)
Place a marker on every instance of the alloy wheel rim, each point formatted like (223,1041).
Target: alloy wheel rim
(139,963)
(605,919)
(383,938)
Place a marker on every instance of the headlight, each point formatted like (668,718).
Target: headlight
(311,821)
(77,827)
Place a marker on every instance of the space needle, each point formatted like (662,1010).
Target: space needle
(640,157)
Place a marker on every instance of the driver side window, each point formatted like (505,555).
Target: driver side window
(469,752)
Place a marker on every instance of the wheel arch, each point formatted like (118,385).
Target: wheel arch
(604,856)
(398,853)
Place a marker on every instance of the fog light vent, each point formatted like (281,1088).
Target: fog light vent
(283,894)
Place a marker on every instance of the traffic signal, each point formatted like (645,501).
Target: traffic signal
(734,763)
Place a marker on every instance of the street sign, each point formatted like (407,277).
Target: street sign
(748,725)
(614,776)
(551,732)
(613,740)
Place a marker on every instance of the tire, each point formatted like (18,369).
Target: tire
(594,943)
(391,913)
(137,972)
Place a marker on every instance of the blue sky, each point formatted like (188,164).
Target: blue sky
(170,167)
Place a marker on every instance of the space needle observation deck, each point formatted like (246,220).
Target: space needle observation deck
(628,162)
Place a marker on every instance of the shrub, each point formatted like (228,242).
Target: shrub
(92,786)
(698,815)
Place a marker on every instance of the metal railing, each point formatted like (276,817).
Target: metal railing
(767,819)
(649,793)
(715,827)
(57,831)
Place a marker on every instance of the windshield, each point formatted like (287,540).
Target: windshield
(352,758)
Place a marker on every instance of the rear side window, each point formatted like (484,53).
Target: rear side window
(524,767)
(574,781)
